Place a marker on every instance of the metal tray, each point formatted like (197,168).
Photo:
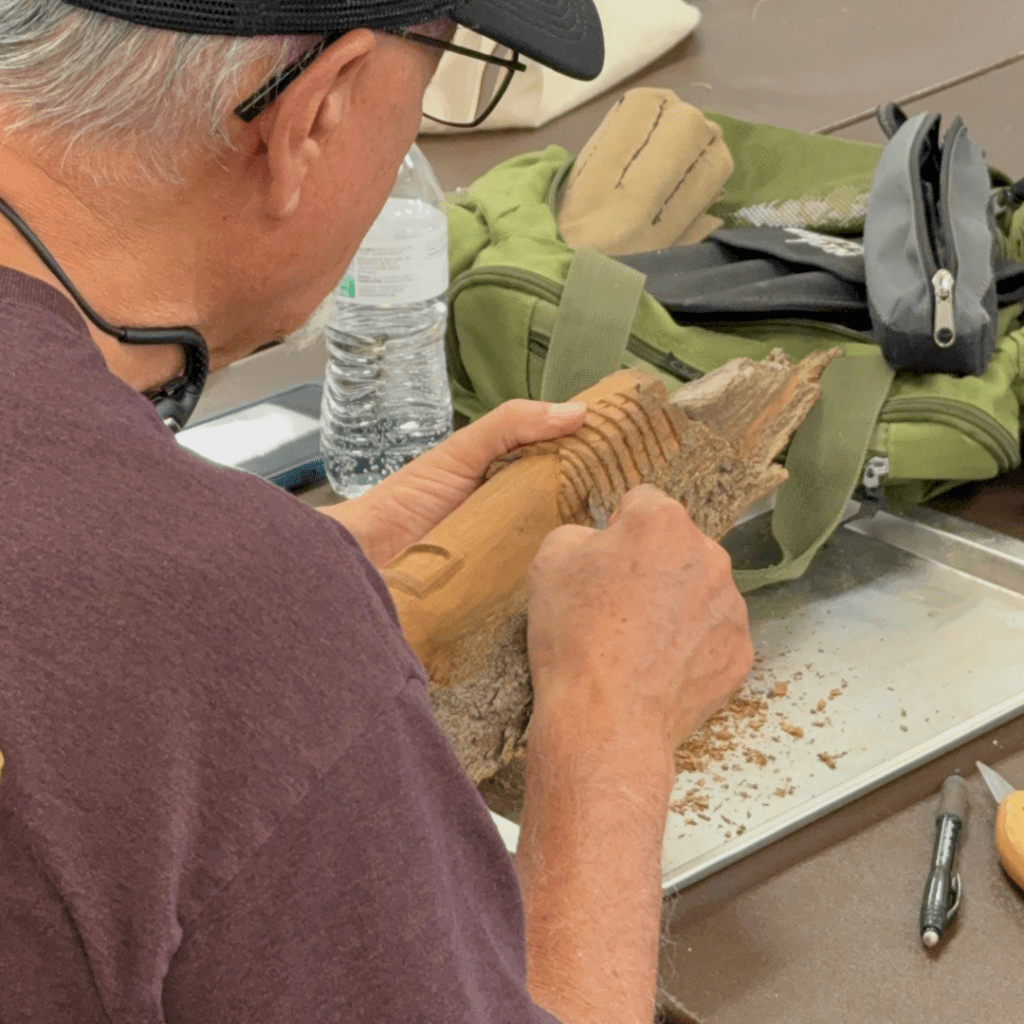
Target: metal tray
(909,628)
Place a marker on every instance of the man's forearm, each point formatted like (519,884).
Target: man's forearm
(589,863)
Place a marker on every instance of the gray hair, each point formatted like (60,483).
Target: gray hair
(87,87)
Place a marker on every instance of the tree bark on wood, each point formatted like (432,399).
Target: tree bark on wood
(461,593)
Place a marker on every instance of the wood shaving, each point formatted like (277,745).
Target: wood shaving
(830,759)
(692,801)
(731,738)
(720,736)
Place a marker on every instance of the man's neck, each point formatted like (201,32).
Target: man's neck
(120,270)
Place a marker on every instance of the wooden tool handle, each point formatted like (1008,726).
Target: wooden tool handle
(1010,836)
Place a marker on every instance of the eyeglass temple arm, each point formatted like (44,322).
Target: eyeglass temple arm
(480,118)
(260,100)
(513,64)
(250,108)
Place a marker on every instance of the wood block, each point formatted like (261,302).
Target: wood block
(461,593)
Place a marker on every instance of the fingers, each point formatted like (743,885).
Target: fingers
(641,619)
(524,422)
(510,425)
(647,506)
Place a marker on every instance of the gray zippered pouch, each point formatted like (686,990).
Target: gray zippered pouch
(930,247)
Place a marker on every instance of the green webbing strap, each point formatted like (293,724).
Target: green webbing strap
(595,317)
(825,463)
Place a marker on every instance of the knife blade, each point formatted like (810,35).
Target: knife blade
(1009,823)
(997,785)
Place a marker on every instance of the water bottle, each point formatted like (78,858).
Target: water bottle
(386,397)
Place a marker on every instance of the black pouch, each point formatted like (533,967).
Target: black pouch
(930,248)
(760,274)
(772,273)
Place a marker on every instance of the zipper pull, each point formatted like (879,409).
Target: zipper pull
(945,326)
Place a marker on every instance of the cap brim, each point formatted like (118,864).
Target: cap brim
(564,35)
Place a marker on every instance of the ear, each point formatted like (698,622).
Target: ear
(296,126)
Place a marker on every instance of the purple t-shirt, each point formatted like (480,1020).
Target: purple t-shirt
(224,798)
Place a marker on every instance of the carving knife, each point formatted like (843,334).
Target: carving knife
(1009,822)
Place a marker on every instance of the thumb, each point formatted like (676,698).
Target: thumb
(522,421)
(510,425)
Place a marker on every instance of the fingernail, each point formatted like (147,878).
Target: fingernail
(567,410)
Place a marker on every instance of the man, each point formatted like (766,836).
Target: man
(224,797)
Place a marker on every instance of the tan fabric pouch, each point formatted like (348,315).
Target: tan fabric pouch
(645,178)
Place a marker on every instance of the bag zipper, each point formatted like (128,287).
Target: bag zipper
(981,427)
(666,361)
(945,250)
(525,281)
(939,251)
(975,424)
(944,332)
(543,288)
(818,326)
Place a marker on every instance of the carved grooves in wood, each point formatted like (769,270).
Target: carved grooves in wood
(626,439)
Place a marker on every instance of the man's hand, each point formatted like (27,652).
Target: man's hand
(404,507)
(640,623)
(636,635)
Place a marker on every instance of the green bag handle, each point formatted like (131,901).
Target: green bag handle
(595,317)
(825,462)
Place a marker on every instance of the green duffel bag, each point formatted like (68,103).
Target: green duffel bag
(529,317)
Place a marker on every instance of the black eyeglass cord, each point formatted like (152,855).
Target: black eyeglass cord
(175,401)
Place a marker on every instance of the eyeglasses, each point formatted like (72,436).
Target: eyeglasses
(493,84)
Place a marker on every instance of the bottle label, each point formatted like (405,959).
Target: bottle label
(403,259)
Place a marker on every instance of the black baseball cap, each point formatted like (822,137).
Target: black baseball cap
(564,35)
